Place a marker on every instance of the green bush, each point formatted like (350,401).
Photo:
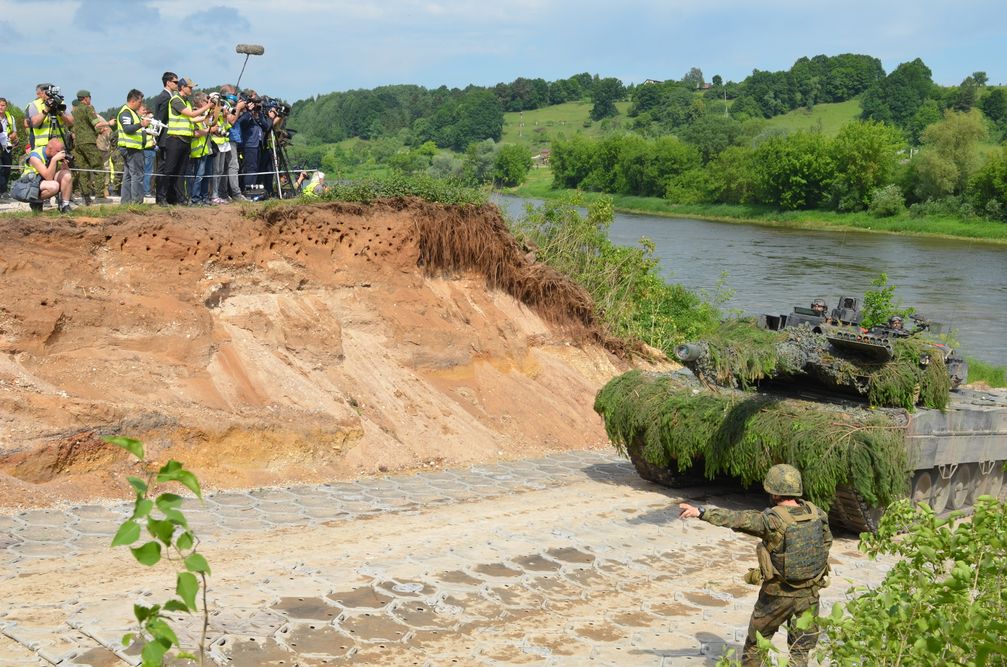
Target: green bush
(625,283)
(513,162)
(887,201)
(943,603)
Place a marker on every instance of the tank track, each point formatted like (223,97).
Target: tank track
(851,511)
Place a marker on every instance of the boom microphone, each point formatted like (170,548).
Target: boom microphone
(250,49)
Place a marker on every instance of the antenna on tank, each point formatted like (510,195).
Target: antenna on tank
(248,50)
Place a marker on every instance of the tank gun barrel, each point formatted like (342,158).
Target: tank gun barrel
(689,351)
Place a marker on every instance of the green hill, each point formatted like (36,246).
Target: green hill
(536,128)
(828,118)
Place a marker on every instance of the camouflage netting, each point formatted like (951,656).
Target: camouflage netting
(739,354)
(673,424)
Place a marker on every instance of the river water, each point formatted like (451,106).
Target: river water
(961,284)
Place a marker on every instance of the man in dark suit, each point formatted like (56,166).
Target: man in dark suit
(160,111)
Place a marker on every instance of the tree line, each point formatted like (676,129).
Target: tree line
(867,166)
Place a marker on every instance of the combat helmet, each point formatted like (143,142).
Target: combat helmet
(783,480)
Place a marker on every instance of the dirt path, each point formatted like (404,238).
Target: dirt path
(566,560)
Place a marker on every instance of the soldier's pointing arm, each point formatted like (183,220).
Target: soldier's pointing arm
(750,522)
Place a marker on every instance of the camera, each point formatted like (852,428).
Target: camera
(53,100)
(155,127)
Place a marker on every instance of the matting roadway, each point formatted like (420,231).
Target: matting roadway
(565,560)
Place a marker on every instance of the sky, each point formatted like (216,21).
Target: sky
(315,47)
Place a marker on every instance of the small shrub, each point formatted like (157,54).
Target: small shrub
(886,202)
(161,517)
(945,206)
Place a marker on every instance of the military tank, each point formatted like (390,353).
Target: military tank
(868,415)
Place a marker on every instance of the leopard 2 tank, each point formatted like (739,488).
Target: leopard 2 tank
(868,414)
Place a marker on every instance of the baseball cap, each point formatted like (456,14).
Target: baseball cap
(81,94)
(186,82)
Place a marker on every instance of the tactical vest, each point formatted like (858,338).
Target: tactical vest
(179,125)
(801,558)
(40,135)
(134,140)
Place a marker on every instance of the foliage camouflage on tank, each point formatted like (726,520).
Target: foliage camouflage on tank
(866,415)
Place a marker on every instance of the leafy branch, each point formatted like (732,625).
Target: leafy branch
(173,540)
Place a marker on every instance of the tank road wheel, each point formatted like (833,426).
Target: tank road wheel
(942,491)
(923,487)
(962,487)
(989,479)
(998,482)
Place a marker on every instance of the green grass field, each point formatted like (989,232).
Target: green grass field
(536,128)
(828,118)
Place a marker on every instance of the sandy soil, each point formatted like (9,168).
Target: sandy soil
(317,343)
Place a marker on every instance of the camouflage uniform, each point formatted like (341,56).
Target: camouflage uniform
(779,602)
(85,149)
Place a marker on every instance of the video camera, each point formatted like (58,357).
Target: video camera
(281,109)
(250,101)
(54,103)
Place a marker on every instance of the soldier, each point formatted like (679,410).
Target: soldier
(818,305)
(793,560)
(86,156)
(895,322)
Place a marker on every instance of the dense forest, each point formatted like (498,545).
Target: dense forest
(916,144)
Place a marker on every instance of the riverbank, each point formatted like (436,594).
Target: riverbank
(539,186)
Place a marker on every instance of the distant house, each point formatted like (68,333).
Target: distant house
(707,86)
(651,81)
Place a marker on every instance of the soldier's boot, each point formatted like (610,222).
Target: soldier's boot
(750,655)
(801,647)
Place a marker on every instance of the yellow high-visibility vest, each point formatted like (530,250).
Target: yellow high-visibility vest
(134,140)
(179,125)
(200,146)
(40,135)
(223,127)
(39,152)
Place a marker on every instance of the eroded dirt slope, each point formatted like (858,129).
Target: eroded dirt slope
(304,343)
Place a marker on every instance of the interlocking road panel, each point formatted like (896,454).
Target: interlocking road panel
(567,560)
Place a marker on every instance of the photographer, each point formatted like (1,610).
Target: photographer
(45,172)
(225,162)
(86,155)
(266,164)
(46,115)
(254,128)
(132,141)
(8,142)
(181,129)
(201,152)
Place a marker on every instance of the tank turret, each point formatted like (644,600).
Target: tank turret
(867,414)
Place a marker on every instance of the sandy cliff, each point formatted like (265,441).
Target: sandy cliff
(299,343)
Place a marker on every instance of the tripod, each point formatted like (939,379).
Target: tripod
(280,162)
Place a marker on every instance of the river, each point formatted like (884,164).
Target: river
(961,284)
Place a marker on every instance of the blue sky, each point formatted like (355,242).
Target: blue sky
(316,46)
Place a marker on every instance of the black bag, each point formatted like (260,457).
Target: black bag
(26,188)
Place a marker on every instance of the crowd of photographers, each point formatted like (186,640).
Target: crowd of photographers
(185,148)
